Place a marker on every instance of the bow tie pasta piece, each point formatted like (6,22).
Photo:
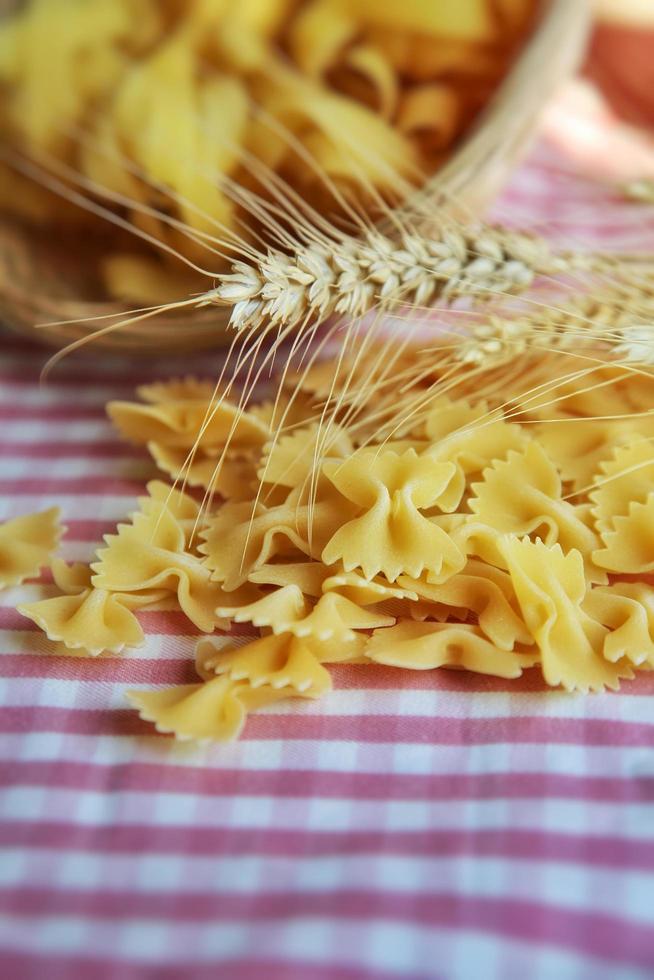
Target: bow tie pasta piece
(472,436)
(150,553)
(579,446)
(625,478)
(627,609)
(367,592)
(286,610)
(481,594)
(94,620)
(629,546)
(273,610)
(426,646)
(231,478)
(185,424)
(76,577)
(591,394)
(27,544)
(309,576)
(290,460)
(522,495)
(70,579)
(214,710)
(177,390)
(84,618)
(392,536)
(551,587)
(336,618)
(279,662)
(180,505)
(474,539)
(291,407)
(242,537)
(446,416)
(184,509)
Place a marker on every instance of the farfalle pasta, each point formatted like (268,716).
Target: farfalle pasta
(426,646)
(628,548)
(188,423)
(627,609)
(279,662)
(463,540)
(391,535)
(522,495)
(86,618)
(212,710)
(242,537)
(150,553)
(579,446)
(626,478)
(484,591)
(27,544)
(551,587)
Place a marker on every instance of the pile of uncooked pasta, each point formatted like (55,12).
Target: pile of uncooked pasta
(481,536)
(167,109)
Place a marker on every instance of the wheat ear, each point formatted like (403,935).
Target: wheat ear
(351,276)
(623,318)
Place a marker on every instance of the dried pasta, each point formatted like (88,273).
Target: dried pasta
(26,545)
(150,553)
(162,106)
(628,477)
(464,541)
(425,646)
(629,545)
(536,507)
(391,535)
(550,587)
(86,618)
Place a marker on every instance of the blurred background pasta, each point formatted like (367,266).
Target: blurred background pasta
(170,111)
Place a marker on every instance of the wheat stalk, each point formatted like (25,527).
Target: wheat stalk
(351,275)
(622,317)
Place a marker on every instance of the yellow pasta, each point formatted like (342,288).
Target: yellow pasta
(26,545)
(627,609)
(579,446)
(231,477)
(290,461)
(308,576)
(150,553)
(179,424)
(425,646)
(338,546)
(488,596)
(551,587)
(471,436)
(391,535)
(213,710)
(629,545)
(366,592)
(522,495)
(628,477)
(280,662)
(243,537)
(160,106)
(93,620)
(177,390)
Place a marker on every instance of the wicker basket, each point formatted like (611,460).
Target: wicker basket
(45,278)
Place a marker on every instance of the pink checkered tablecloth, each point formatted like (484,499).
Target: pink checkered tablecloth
(408,825)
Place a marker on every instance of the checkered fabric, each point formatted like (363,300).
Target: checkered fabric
(407,825)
